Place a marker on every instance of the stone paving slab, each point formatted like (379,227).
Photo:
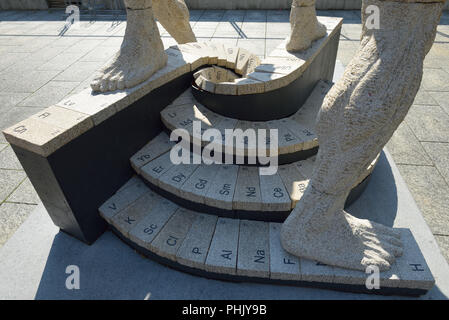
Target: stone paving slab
(443,243)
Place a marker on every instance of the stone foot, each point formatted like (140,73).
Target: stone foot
(305,27)
(318,229)
(140,56)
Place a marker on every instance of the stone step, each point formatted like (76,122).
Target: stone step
(59,125)
(278,70)
(243,86)
(296,134)
(242,250)
(227,190)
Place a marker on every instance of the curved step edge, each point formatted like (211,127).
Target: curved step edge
(177,237)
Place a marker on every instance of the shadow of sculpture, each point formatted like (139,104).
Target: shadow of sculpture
(380,205)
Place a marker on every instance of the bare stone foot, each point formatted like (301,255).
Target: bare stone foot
(305,27)
(140,56)
(319,230)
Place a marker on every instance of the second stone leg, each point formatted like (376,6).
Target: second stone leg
(175,18)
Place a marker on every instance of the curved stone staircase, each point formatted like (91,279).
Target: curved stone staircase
(223,221)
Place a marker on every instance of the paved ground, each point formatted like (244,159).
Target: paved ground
(38,68)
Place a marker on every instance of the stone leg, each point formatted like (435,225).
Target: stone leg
(141,53)
(174,17)
(358,117)
(305,27)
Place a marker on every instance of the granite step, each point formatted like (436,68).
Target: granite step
(241,250)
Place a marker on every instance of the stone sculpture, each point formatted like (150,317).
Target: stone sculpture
(305,27)
(142,51)
(358,117)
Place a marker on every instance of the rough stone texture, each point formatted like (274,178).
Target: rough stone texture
(11,217)
(128,218)
(405,147)
(48,130)
(305,167)
(288,142)
(159,145)
(271,81)
(312,270)
(242,61)
(122,199)
(217,80)
(280,65)
(44,139)
(254,249)
(277,27)
(8,159)
(141,53)
(174,17)
(227,187)
(431,192)
(439,152)
(150,226)
(283,265)
(443,243)
(170,238)
(222,256)
(179,116)
(305,27)
(131,182)
(275,196)
(9,180)
(412,266)
(175,177)
(358,117)
(221,194)
(153,170)
(247,191)
(25,193)
(295,183)
(194,249)
(249,86)
(197,185)
(99,106)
